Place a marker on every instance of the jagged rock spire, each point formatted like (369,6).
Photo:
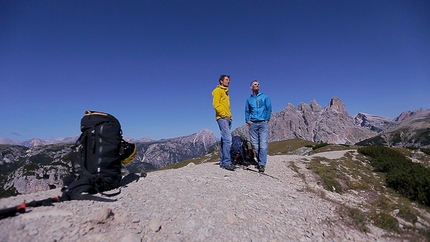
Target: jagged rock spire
(331,124)
(337,104)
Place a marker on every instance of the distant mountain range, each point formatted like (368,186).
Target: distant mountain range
(38,142)
(409,129)
(37,164)
(28,169)
(331,124)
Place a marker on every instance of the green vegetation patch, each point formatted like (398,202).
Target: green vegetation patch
(324,147)
(8,193)
(329,174)
(348,172)
(423,136)
(30,169)
(359,218)
(212,157)
(425,150)
(69,157)
(320,145)
(408,215)
(41,158)
(55,147)
(286,146)
(409,179)
(386,222)
(376,141)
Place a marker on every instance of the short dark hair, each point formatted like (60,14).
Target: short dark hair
(253,81)
(222,78)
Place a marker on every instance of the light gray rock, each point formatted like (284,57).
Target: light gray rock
(210,204)
(155,225)
(331,124)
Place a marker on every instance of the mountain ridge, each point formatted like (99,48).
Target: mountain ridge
(331,124)
(26,169)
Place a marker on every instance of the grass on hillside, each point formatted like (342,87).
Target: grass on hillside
(383,207)
(211,157)
(353,174)
(421,155)
(330,147)
(287,146)
(275,148)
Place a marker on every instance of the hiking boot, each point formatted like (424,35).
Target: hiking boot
(230,167)
(261,169)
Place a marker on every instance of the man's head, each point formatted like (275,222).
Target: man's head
(224,80)
(255,86)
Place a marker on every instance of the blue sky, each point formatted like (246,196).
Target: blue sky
(153,64)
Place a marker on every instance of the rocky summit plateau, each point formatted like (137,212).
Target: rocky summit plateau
(202,202)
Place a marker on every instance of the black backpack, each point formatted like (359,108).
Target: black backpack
(101,149)
(241,152)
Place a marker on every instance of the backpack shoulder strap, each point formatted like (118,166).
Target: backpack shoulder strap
(77,145)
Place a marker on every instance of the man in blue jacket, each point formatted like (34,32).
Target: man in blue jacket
(257,115)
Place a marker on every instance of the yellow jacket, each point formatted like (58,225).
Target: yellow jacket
(221,102)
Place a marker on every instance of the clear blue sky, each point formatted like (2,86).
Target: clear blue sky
(153,63)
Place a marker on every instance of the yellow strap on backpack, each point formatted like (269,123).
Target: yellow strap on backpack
(130,152)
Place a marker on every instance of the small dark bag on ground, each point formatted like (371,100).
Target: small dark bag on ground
(241,152)
(101,149)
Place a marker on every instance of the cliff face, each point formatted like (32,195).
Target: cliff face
(169,151)
(25,170)
(409,129)
(331,124)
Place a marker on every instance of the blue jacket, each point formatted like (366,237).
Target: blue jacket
(258,108)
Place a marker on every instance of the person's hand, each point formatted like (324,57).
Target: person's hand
(249,123)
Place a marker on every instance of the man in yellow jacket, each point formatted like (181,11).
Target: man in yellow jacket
(221,104)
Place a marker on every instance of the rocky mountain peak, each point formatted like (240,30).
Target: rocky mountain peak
(204,132)
(169,151)
(311,107)
(419,119)
(315,106)
(331,124)
(337,104)
(408,114)
(303,107)
(289,107)
(373,122)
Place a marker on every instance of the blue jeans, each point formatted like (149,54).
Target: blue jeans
(259,135)
(224,125)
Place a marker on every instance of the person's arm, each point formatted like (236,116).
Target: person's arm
(216,103)
(268,109)
(247,112)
